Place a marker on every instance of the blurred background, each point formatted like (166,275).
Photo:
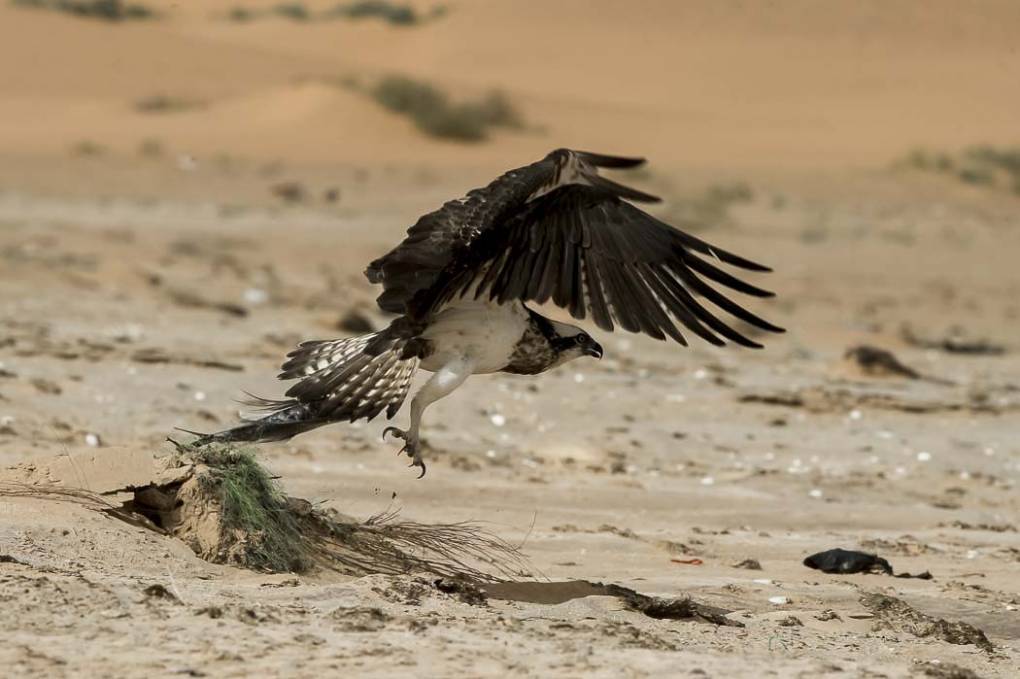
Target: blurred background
(725,85)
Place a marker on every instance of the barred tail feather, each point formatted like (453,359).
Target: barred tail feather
(339,382)
(350,379)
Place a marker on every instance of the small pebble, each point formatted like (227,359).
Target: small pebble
(186,163)
(255,296)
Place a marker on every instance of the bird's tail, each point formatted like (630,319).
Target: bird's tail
(288,418)
(340,381)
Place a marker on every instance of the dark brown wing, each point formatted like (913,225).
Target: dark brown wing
(446,237)
(591,252)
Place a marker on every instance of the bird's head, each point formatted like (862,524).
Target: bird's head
(572,342)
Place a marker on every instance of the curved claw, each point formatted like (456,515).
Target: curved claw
(419,463)
(397,433)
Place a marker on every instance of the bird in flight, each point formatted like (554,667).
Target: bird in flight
(459,283)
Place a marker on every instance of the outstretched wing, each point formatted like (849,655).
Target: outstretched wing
(593,253)
(447,237)
(533,235)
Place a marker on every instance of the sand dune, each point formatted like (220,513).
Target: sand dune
(797,84)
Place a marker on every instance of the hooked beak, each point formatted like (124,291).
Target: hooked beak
(594,349)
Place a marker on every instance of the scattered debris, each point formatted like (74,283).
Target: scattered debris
(953,343)
(748,564)
(898,616)
(946,670)
(465,590)
(158,591)
(669,545)
(875,362)
(46,386)
(157,355)
(790,621)
(193,300)
(849,561)
(289,192)
(907,545)
(824,399)
(827,615)
(361,618)
(688,562)
(991,527)
(670,609)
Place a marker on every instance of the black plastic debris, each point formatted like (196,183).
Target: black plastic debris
(850,561)
(847,561)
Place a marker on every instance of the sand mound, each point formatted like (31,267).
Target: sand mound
(228,509)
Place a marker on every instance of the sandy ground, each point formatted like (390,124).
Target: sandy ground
(139,294)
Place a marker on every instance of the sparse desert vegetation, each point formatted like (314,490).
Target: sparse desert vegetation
(163,103)
(105,10)
(989,166)
(708,208)
(150,147)
(87,148)
(393,13)
(436,115)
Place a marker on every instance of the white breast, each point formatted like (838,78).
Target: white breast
(482,332)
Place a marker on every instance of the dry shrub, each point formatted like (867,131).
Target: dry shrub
(105,10)
(434,114)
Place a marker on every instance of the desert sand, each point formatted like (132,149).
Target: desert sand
(150,273)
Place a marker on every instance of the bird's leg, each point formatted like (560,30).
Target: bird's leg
(441,384)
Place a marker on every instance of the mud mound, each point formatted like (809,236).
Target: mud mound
(227,509)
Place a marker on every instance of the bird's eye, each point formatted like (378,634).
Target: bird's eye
(582,339)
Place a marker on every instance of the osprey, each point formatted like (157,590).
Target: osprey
(459,282)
